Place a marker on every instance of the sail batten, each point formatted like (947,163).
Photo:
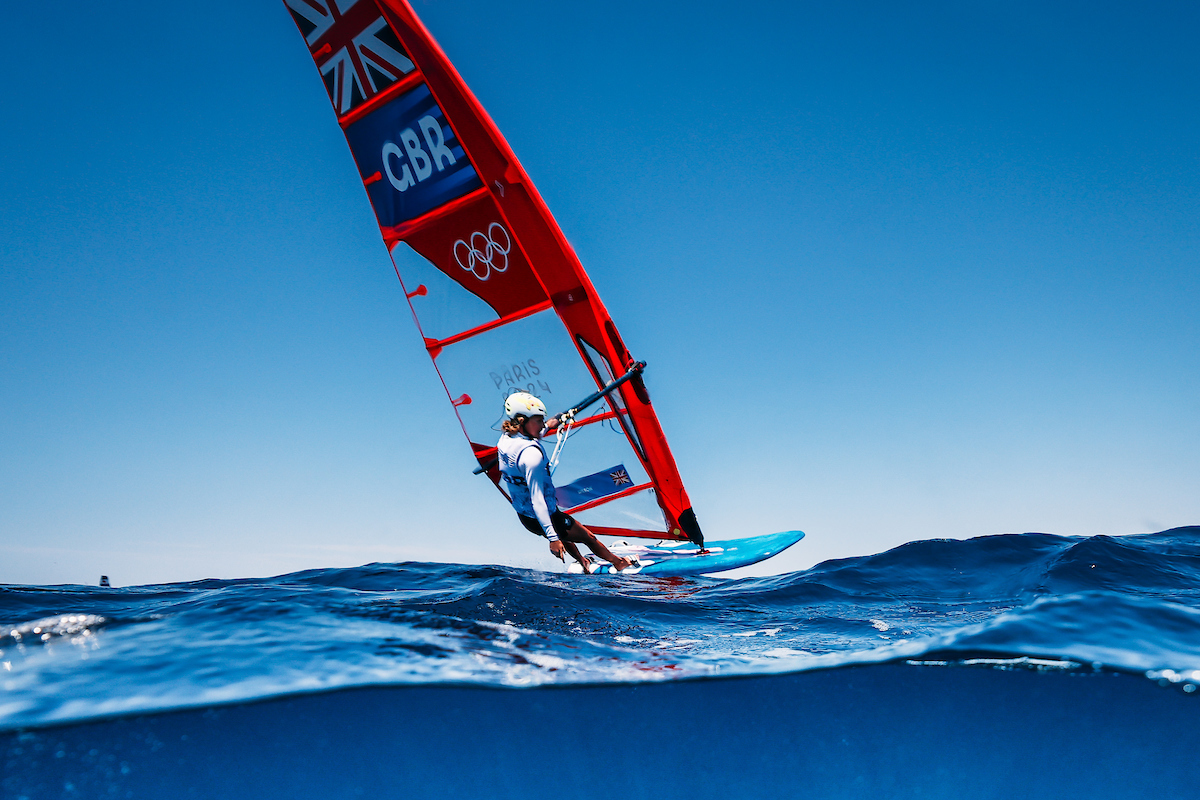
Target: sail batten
(499,296)
(402,231)
(438,344)
(610,498)
(400,87)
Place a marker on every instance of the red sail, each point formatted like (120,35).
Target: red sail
(490,277)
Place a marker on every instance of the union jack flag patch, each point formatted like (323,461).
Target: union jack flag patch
(620,477)
(357,52)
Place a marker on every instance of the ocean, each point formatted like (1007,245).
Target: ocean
(997,667)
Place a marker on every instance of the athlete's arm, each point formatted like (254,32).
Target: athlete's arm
(531,463)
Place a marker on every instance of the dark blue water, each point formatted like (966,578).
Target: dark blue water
(995,667)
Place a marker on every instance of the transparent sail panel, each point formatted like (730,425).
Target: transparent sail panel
(529,355)
(639,512)
(444,308)
(604,370)
(599,363)
(594,448)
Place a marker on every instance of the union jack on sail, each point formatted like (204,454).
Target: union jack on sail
(356,51)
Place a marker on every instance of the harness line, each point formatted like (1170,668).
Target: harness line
(563,431)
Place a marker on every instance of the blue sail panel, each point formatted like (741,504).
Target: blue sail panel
(413,150)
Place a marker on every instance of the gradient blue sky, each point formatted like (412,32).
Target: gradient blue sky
(900,271)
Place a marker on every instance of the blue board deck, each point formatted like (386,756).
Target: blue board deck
(684,558)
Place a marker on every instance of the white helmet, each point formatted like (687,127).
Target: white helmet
(523,404)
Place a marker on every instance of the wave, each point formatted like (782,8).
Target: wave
(1036,600)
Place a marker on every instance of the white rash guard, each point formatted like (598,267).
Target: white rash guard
(524,467)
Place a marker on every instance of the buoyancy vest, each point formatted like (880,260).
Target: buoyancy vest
(524,469)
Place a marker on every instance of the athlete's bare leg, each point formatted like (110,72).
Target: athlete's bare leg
(575,554)
(558,547)
(581,534)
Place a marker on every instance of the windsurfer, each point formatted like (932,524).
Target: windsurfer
(525,468)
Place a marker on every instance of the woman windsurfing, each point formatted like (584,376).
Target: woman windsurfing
(526,469)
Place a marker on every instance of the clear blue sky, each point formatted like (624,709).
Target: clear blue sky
(900,272)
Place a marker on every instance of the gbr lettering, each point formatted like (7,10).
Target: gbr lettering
(422,160)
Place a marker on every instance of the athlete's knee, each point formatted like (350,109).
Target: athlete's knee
(566,526)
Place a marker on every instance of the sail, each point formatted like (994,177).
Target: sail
(499,296)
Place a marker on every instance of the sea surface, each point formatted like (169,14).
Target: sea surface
(1002,666)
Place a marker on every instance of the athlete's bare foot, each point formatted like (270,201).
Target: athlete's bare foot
(620,563)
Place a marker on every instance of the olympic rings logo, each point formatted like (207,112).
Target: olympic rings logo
(486,251)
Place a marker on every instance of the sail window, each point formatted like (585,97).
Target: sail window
(603,373)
